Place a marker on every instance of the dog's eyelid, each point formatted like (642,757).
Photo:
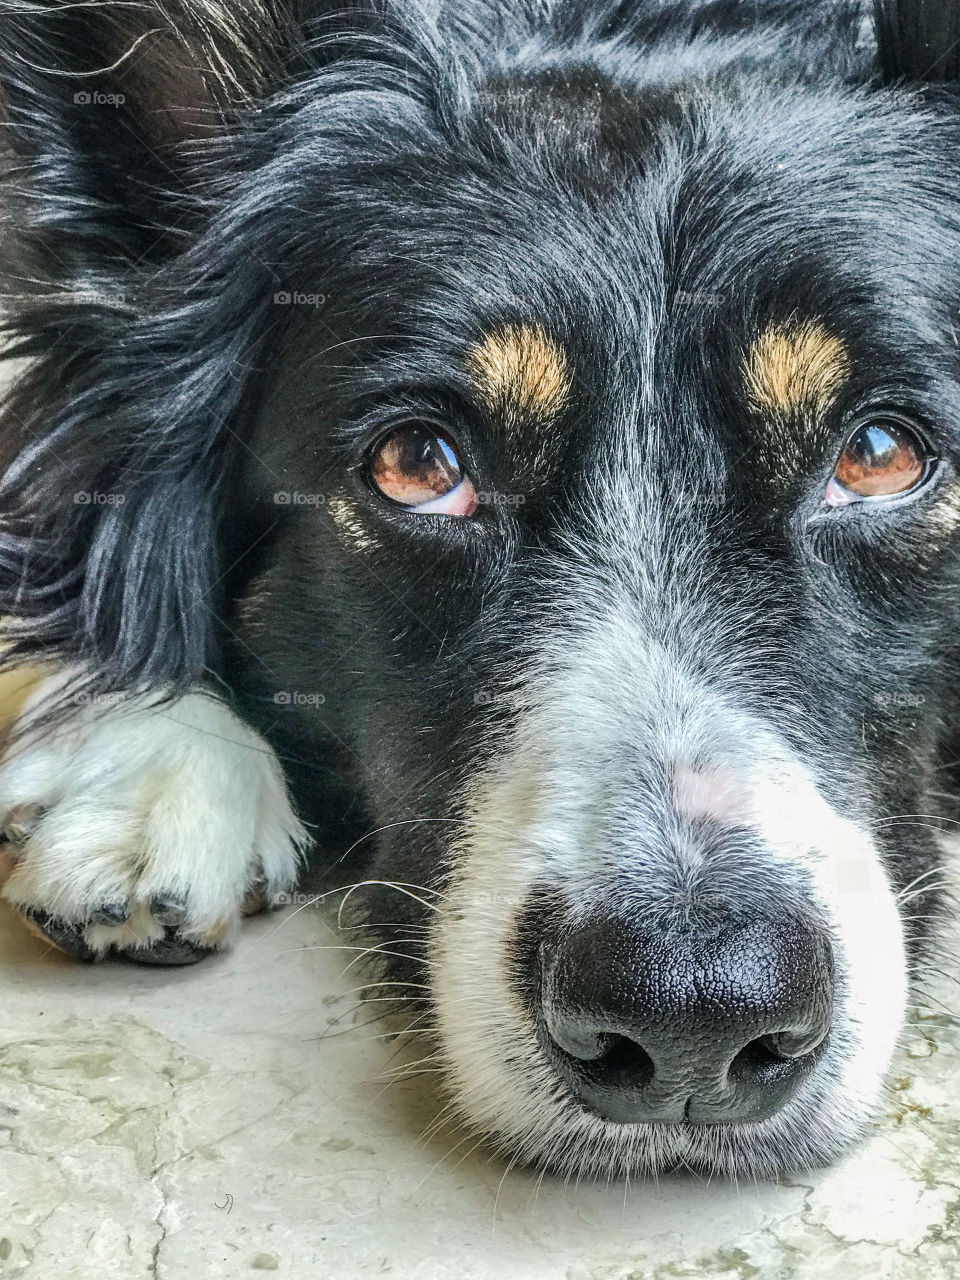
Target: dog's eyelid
(444,409)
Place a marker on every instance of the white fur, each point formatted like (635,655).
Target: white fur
(861,909)
(143,798)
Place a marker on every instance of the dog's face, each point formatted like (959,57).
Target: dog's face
(606,513)
(637,517)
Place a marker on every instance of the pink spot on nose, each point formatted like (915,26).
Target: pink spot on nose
(714,793)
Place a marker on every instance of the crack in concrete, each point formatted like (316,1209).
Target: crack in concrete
(160,1221)
(160,1217)
(165,1167)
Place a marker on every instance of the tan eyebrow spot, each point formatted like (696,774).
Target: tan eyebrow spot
(797,367)
(519,369)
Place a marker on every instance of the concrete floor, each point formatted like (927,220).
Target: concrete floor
(236,1118)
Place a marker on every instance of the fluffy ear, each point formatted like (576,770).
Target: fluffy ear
(101,102)
(918,41)
(151,161)
(116,120)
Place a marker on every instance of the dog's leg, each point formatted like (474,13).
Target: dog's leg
(145,828)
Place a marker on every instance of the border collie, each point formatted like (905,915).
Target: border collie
(522,434)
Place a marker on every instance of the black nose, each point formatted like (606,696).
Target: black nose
(648,1026)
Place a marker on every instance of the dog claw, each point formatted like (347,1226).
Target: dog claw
(21,824)
(169,908)
(169,952)
(256,899)
(66,937)
(111,913)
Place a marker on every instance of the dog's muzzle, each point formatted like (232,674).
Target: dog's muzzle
(711,1027)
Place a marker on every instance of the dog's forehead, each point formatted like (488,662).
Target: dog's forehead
(701,286)
(708,283)
(642,400)
(671,195)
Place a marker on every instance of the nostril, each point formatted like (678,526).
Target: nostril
(759,1057)
(577,1041)
(774,1061)
(616,1060)
(606,1058)
(624,1064)
(795,1044)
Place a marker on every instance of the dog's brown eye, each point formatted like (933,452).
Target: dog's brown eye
(881,459)
(418,468)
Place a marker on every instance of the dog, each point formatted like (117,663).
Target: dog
(513,448)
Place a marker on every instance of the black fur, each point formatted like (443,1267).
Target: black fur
(918,42)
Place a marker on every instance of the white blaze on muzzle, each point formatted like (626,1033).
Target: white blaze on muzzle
(555,814)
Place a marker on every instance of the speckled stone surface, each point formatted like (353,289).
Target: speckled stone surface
(239,1118)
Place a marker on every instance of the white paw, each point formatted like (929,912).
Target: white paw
(145,828)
